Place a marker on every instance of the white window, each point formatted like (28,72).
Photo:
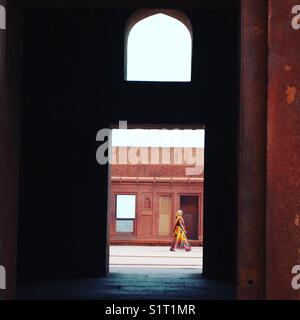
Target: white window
(159,48)
(125,213)
(125,208)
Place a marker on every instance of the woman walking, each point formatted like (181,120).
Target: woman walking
(180,240)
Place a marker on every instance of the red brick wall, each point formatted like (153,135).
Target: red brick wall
(151,217)
(147,220)
(152,171)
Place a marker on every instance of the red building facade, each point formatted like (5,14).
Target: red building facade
(157,191)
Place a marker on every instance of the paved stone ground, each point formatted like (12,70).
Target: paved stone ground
(176,280)
(155,257)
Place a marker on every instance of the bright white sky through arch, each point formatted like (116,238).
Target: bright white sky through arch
(159,48)
(158,138)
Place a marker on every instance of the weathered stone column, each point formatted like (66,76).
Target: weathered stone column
(283,157)
(252,151)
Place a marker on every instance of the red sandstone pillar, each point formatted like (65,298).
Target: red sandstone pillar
(252,158)
(283,156)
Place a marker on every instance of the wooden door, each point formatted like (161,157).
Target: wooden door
(165,207)
(190,207)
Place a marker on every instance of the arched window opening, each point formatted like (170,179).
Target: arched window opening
(159,48)
(147,204)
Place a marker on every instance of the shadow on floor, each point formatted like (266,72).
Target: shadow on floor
(132,284)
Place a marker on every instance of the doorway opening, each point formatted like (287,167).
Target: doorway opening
(154,173)
(190,205)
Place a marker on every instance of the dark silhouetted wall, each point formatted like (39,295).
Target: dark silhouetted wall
(73,86)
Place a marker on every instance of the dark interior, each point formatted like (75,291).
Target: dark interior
(72,86)
(190,207)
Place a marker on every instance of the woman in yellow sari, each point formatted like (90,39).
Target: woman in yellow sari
(180,240)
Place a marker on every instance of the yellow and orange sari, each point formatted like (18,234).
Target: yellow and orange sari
(180,240)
